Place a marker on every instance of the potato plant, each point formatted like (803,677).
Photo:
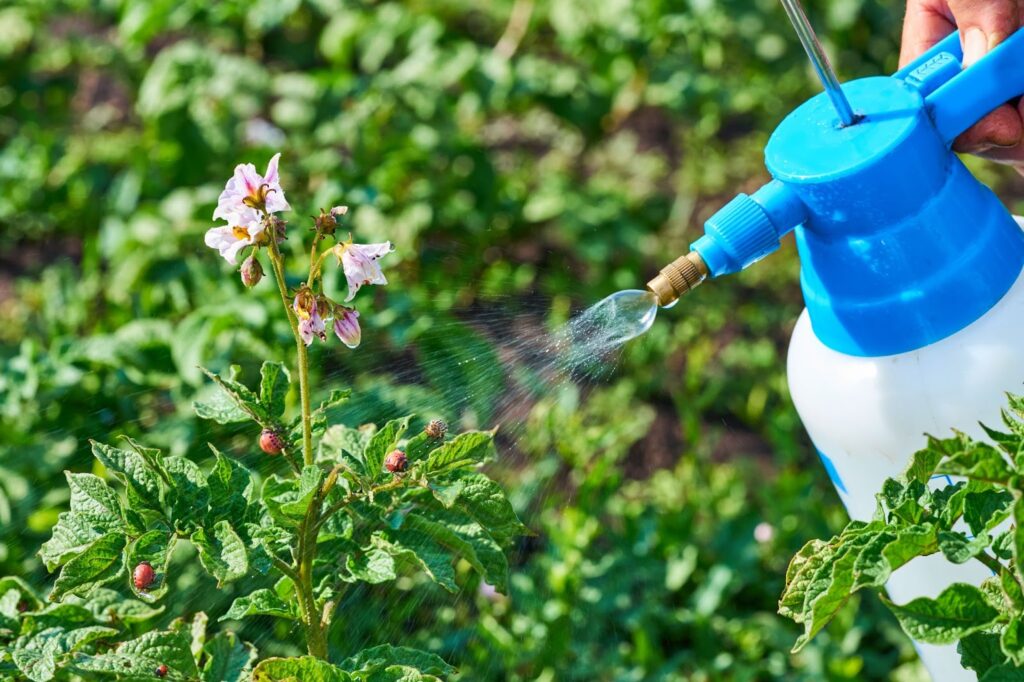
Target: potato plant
(346,505)
(977,518)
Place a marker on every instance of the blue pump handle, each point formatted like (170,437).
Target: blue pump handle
(966,97)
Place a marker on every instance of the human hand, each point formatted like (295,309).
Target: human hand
(983,24)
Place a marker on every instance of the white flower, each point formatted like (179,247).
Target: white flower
(346,326)
(248,192)
(310,316)
(230,239)
(361,266)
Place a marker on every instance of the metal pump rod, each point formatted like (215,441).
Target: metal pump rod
(819,60)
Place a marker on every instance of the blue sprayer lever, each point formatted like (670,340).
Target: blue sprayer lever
(900,245)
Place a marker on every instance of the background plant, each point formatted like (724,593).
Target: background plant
(522,183)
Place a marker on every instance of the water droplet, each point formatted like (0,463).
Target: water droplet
(593,334)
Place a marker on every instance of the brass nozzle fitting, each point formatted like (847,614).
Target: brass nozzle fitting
(678,277)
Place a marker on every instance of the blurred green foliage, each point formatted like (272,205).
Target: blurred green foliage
(526,157)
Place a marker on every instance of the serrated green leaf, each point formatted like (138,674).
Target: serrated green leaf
(243,398)
(138,658)
(221,552)
(980,652)
(958,611)
(91,495)
(799,574)
(228,659)
(262,602)
(485,501)
(302,669)
(889,550)
(310,480)
(132,469)
(381,443)
(101,563)
(109,606)
(976,461)
(230,485)
(72,535)
(465,539)
(274,380)
(472,446)
(187,496)
(386,655)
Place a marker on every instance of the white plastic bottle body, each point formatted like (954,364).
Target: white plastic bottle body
(867,415)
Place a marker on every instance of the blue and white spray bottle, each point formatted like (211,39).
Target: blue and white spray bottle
(911,272)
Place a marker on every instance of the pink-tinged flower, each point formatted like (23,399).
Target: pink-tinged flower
(764,532)
(346,326)
(314,326)
(339,211)
(230,239)
(247,193)
(361,266)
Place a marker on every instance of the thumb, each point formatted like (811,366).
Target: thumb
(984,24)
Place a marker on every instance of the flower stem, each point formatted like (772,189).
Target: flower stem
(301,352)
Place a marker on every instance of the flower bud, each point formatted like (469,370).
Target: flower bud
(346,326)
(327,221)
(252,271)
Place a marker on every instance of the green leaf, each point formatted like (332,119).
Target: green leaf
(155,547)
(976,461)
(91,495)
(386,655)
(889,550)
(37,656)
(830,587)
(228,659)
(1006,672)
(986,509)
(138,658)
(274,381)
(958,549)
(957,612)
(1018,537)
(132,469)
(381,443)
(23,592)
(462,538)
(372,565)
(102,562)
(423,551)
(302,669)
(922,464)
(288,499)
(188,495)
(469,447)
(221,408)
(801,570)
(72,535)
(485,501)
(1012,641)
(341,444)
(318,418)
(222,553)
(230,485)
(243,398)
(262,602)
(980,651)
(108,605)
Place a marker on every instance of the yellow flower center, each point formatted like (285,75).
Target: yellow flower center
(240,232)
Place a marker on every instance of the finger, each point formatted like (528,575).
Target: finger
(1001,128)
(984,24)
(926,23)
(1013,154)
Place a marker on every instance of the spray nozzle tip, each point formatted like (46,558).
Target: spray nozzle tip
(678,277)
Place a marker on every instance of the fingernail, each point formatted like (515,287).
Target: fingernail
(975,46)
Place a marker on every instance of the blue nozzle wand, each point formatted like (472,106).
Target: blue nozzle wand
(819,60)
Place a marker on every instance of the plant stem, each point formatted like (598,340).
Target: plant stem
(992,563)
(301,353)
